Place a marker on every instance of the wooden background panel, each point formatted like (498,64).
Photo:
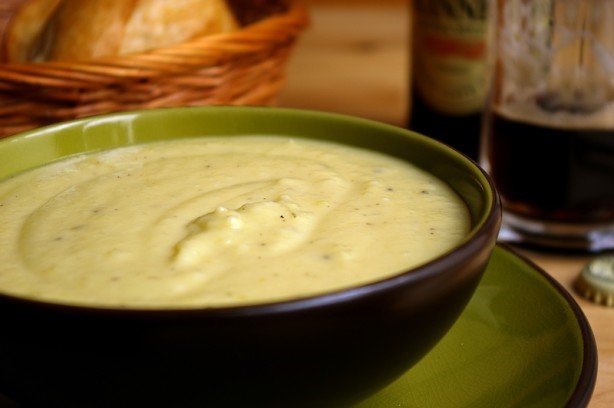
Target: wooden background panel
(353,59)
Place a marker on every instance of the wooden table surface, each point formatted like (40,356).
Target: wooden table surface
(354,60)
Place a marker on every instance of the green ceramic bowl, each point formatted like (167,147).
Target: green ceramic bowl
(329,350)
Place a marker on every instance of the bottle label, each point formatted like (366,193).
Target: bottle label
(450,54)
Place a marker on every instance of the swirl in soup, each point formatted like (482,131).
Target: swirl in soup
(212,222)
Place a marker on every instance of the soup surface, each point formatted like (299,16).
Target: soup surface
(219,221)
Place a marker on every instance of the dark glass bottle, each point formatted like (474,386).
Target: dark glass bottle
(449,71)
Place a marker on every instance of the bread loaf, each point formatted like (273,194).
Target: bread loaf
(159,23)
(84,29)
(22,38)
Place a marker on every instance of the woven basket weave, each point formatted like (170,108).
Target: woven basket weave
(245,67)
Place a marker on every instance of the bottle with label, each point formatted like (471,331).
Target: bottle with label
(449,71)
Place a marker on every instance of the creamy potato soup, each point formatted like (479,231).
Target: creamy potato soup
(219,221)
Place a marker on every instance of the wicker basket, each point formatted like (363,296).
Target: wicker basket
(245,67)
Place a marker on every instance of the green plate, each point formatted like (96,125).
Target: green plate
(521,342)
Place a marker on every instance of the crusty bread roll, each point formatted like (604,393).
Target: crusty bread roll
(85,29)
(22,38)
(159,23)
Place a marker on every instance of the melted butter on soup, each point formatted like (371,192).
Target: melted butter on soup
(219,221)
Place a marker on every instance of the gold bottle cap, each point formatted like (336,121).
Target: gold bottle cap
(596,281)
